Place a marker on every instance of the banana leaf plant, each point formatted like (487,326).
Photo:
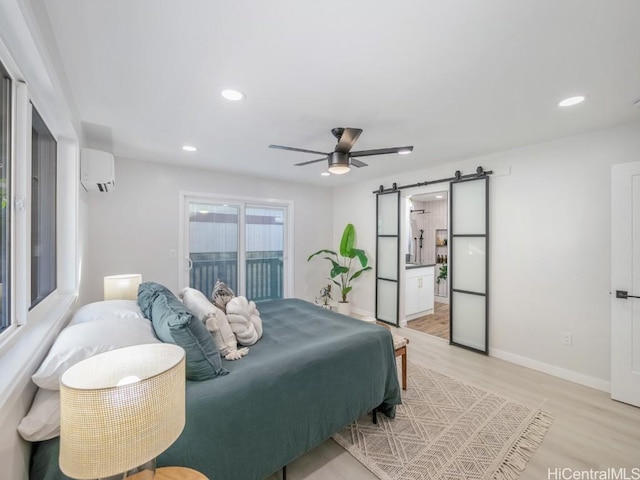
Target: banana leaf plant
(341,263)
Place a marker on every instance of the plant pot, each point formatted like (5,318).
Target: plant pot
(344,308)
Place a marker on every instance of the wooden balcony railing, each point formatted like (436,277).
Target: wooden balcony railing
(264,276)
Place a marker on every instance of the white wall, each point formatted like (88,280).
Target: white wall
(132,229)
(549,248)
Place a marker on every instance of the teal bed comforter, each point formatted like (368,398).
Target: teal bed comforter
(312,373)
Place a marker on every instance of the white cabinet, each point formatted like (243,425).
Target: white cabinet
(418,292)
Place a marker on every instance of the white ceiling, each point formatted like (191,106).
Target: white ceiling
(454,78)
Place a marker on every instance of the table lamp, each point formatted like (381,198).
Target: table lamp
(122,287)
(119,410)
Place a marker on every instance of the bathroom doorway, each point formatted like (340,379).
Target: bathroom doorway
(426,261)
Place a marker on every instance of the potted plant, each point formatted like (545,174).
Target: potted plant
(341,265)
(442,274)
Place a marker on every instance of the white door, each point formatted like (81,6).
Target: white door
(625,283)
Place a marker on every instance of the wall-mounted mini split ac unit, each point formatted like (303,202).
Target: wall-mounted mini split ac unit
(97,172)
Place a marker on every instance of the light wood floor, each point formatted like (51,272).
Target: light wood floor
(436,323)
(590,431)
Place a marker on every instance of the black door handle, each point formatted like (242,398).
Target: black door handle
(624,294)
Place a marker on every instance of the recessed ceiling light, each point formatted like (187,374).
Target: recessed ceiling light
(325,174)
(233,95)
(569,102)
(404,152)
(189,148)
(438,196)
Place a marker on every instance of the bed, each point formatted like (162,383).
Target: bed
(313,372)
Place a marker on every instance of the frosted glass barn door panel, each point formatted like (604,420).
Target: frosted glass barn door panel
(388,214)
(387,265)
(468,263)
(387,252)
(468,313)
(387,301)
(469,269)
(470,205)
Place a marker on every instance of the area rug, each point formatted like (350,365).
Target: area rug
(447,429)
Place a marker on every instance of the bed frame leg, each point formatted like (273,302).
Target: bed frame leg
(284,473)
(374,416)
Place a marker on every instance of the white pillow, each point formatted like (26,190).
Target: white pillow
(245,321)
(83,340)
(107,309)
(42,422)
(216,322)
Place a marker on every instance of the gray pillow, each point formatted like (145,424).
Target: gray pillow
(174,323)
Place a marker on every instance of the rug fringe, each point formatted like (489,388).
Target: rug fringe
(522,450)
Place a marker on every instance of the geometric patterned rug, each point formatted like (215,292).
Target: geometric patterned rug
(446,429)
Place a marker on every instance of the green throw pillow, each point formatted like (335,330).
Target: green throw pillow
(174,323)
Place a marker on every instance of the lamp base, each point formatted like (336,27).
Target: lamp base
(146,471)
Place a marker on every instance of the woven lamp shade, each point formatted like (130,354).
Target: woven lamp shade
(108,425)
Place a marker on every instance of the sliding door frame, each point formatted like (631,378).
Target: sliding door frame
(187,197)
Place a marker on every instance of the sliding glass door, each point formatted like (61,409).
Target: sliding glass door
(214,244)
(241,243)
(264,251)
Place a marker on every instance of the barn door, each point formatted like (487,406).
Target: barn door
(387,257)
(469,263)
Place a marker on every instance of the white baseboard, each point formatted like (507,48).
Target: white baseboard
(559,372)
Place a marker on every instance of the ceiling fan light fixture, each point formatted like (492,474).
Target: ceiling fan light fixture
(339,169)
(338,163)
(233,95)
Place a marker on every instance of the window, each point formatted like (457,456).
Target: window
(43,210)
(5,184)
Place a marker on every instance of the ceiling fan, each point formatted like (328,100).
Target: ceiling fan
(342,158)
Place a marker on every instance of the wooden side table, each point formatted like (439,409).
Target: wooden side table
(178,473)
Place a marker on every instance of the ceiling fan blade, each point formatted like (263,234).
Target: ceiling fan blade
(293,149)
(310,162)
(348,139)
(381,151)
(357,163)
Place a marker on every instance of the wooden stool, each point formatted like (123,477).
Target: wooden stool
(178,473)
(400,347)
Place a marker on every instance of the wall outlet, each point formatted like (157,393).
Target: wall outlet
(567,338)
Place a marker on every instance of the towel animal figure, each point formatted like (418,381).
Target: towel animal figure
(221,294)
(245,320)
(216,322)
